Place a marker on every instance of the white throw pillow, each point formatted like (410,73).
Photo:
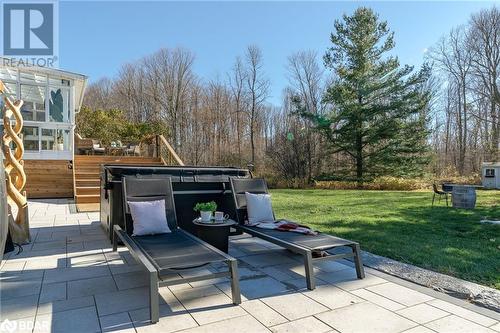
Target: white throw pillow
(148,217)
(259,208)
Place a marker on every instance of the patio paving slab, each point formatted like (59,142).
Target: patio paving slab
(117,323)
(304,325)
(170,321)
(464,313)
(53,292)
(92,286)
(400,294)
(372,318)
(422,313)
(294,306)
(84,281)
(243,324)
(332,297)
(263,313)
(82,320)
(377,299)
(455,324)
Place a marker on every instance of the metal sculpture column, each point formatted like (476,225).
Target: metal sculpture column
(14,169)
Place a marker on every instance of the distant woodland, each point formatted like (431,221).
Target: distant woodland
(351,112)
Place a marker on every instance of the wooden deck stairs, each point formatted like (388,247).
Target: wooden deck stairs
(87,176)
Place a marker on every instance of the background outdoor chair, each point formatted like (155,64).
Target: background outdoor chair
(295,242)
(170,258)
(439,193)
(97,148)
(83,146)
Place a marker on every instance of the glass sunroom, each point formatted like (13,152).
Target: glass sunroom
(51,99)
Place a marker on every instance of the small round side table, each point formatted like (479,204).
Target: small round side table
(214,233)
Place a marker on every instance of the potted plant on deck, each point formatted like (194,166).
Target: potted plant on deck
(206,209)
(60,143)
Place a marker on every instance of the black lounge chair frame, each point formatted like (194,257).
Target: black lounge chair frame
(177,262)
(259,186)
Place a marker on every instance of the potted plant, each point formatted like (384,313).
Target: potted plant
(60,143)
(206,209)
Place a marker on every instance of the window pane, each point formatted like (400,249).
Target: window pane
(11,92)
(48,139)
(59,105)
(30,138)
(7,73)
(27,77)
(34,102)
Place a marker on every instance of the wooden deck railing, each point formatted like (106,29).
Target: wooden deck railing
(166,152)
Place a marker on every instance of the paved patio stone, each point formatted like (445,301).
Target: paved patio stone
(348,280)
(464,313)
(169,321)
(67,304)
(377,299)
(53,292)
(332,297)
(256,288)
(400,294)
(14,284)
(20,307)
(85,284)
(419,329)
(263,313)
(304,325)
(118,323)
(365,317)
(123,300)
(422,313)
(210,306)
(294,306)
(76,273)
(242,324)
(131,280)
(455,324)
(92,286)
(78,320)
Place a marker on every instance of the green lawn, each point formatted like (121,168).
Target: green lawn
(404,226)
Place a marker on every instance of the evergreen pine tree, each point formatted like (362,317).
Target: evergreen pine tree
(379,109)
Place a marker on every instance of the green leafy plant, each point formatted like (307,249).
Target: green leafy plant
(205,206)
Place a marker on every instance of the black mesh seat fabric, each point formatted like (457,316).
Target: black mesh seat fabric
(171,251)
(310,242)
(175,251)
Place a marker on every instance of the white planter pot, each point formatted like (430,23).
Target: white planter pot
(206,216)
(60,146)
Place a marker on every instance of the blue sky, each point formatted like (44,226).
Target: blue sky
(96,38)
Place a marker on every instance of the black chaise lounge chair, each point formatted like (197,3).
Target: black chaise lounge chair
(302,244)
(171,256)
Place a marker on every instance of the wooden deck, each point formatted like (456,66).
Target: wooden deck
(87,176)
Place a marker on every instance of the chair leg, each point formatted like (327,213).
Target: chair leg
(446,196)
(360,270)
(311,283)
(433,198)
(154,305)
(235,282)
(115,241)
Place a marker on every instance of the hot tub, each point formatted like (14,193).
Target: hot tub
(190,185)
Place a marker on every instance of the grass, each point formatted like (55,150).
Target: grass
(403,226)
